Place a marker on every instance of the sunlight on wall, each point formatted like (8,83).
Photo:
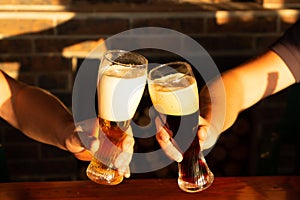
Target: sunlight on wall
(289,16)
(275,3)
(87,49)
(34,7)
(11,68)
(224,17)
(31,22)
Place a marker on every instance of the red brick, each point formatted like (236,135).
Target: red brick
(55,44)
(185,25)
(27,78)
(11,68)
(47,63)
(26,26)
(54,81)
(226,43)
(35,2)
(281,3)
(242,36)
(135,6)
(242,24)
(6,2)
(15,58)
(93,26)
(15,46)
(287,22)
(40,63)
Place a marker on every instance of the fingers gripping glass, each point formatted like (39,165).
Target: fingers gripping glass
(121,81)
(174,94)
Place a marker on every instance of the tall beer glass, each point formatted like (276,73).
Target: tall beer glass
(174,94)
(121,81)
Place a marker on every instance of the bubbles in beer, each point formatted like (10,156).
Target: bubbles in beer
(175,94)
(119,71)
(194,174)
(111,135)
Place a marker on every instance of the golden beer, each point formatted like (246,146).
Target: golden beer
(121,83)
(111,135)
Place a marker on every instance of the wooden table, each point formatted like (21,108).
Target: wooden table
(231,188)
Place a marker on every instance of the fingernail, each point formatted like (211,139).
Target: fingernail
(165,137)
(127,174)
(178,157)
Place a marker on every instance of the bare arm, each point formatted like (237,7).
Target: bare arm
(235,90)
(244,86)
(43,117)
(38,114)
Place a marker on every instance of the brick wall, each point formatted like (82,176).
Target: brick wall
(43,42)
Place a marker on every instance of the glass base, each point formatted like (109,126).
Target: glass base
(101,174)
(201,184)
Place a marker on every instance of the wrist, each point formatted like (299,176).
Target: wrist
(69,139)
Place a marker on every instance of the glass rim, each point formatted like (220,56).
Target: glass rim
(188,66)
(125,64)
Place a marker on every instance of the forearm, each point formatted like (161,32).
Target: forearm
(42,116)
(262,77)
(220,101)
(35,112)
(244,86)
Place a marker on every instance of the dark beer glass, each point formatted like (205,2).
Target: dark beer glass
(174,94)
(121,81)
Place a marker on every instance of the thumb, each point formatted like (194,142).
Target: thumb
(208,136)
(166,142)
(73,144)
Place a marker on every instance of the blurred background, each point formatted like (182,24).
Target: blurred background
(43,43)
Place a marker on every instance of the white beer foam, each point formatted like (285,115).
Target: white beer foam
(173,96)
(119,92)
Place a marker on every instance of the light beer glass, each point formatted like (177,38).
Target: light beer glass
(174,94)
(121,81)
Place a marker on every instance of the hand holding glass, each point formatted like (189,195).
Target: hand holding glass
(121,82)
(174,94)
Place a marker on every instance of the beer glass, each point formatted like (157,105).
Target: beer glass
(174,94)
(121,81)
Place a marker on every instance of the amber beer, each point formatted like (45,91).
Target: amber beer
(121,83)
(194,174)
(175,95)
(111,135)
(192,168)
